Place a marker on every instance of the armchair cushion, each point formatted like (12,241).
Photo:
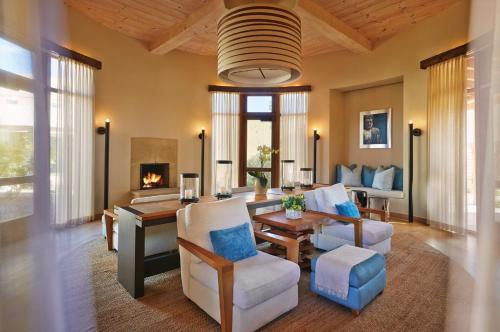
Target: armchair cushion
(373,231)
(234,243)
(327,197)
(256,279)
(205,217)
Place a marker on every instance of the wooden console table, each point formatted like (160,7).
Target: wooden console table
(133,265)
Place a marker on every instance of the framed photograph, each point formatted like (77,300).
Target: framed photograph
(375,129)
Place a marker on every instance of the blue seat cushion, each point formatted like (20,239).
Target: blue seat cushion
(362,272)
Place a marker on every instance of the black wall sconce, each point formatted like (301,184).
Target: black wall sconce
(202,136)
(316,138)
(106,132)
(412,132)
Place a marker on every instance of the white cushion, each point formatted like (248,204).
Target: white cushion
(373,231)
(383,178)
(327,197)
(381,193)
(156,198)
(310,200)
(350,177)
(256,279)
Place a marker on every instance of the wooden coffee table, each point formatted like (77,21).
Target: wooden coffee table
(299,229)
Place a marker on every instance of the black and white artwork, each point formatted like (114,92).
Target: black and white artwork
(375,129)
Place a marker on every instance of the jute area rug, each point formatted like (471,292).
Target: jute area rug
(414,300)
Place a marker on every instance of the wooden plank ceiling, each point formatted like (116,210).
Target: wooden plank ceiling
(328,25)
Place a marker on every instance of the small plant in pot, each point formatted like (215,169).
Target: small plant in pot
(261,181)
(294,205)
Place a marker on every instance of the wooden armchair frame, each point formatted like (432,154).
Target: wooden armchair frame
(225,270)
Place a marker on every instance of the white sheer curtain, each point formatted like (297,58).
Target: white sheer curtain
(225,131)
(293,129)
(72,142)
(446,196)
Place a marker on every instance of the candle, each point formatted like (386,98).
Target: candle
(223,190)
(188,194)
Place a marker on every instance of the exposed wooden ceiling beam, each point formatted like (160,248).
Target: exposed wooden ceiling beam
(333,28)
(194,24)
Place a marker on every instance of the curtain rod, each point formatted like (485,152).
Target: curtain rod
(220,88)
(441,57)
(66,52)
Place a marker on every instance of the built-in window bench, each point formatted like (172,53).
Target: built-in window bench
(377,195)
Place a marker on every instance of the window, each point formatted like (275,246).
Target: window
(259,126)
(259,104)
(16,132)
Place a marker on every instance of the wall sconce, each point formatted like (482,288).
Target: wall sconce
(316,138)
(412,132)
(105,131)
(201,136)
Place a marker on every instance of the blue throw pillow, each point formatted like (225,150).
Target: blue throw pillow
(367,175)
(234,243)
(348,209)
(398,178)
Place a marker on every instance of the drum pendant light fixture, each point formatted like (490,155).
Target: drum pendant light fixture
(259,44)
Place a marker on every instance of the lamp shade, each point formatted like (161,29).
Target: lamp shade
(259,44)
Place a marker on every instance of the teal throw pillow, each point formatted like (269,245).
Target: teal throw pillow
(234,243)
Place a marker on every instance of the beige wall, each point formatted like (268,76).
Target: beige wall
(398,56)
(378,97)
(144,95)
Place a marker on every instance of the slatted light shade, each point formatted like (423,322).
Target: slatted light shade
(259,44)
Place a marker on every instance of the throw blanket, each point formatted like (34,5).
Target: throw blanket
(334,267)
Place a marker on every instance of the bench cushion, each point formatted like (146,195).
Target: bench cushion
(373,231)
(362,272)
(381,193)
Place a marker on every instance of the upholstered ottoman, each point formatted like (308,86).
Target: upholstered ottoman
(366,280)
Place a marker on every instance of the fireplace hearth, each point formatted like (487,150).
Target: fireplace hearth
(153,176)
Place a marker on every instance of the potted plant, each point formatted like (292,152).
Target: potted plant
(294,205)
(260,184)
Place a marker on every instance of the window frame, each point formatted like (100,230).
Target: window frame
(274,118)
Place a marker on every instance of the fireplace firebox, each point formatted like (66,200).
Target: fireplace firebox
(154,176)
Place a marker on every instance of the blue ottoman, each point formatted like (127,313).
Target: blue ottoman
(366,280)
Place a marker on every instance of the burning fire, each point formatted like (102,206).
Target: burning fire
(150,179)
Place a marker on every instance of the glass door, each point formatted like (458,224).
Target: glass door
(259,128)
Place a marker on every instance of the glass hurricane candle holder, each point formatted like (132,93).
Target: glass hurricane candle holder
(306,177)
(287,175)
(223,178)
(189,188)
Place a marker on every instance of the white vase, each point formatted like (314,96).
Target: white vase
(293,214)
(259,189)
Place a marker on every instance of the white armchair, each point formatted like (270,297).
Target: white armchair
(362,232)
(241,296)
